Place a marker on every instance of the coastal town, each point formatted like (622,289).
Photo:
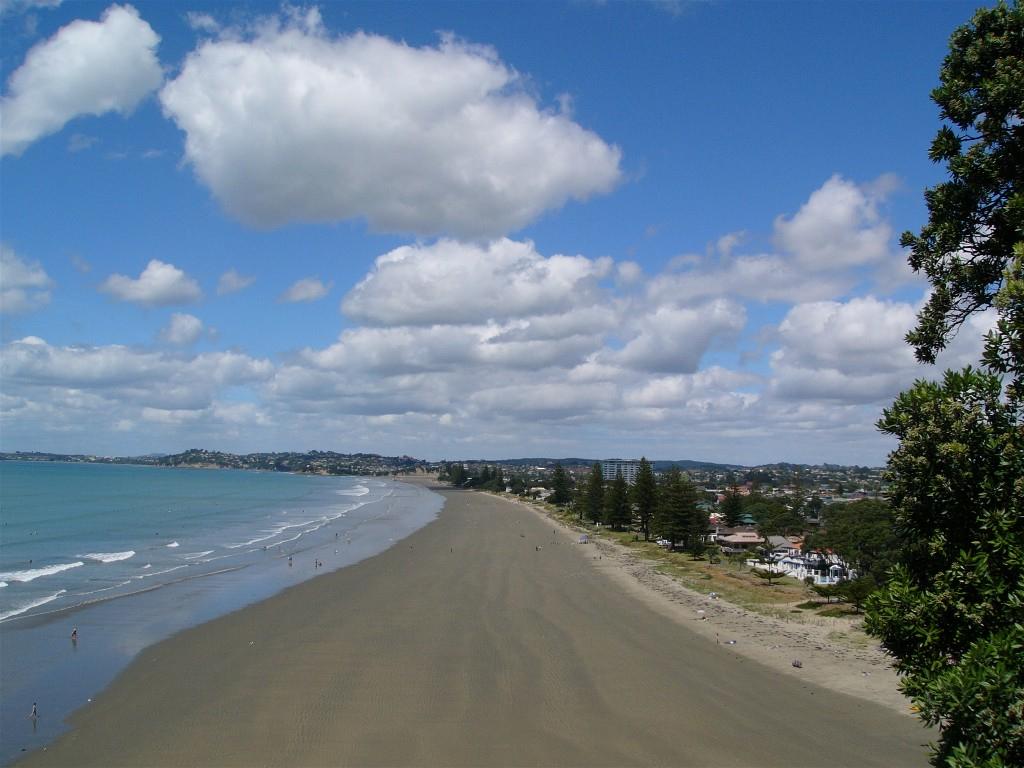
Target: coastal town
(778,527)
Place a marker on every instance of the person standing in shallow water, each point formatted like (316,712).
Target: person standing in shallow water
(74,635)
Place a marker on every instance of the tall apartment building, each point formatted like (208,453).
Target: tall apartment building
(628,468)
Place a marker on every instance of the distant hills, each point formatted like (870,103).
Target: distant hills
(332,463)
(312,462)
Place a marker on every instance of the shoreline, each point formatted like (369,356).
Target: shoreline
(486,637)
(43,665)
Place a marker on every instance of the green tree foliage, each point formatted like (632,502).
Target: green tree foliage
(677,501)
(1004,346)
(957,597)
(856,591)
(953,612)
(616,504)
(561,486)
(645,497)
(456,473)
(760,477)
(731,507)
(770,573)
(772,516)
(828,591)
(593,501)
(579,499)
(696,530)
(862,533)
(518,484)
(976,218)
(813,507)
(798,501)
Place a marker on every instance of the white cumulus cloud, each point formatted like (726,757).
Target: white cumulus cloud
(839,226)
(182,330)
(289,123)
(855,351)
(452,282)
(160,284)
(86,68)
(864,333)
(120,374)
(818,251)
(24,286)
(672,339)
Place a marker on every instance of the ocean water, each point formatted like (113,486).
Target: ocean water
(129,555)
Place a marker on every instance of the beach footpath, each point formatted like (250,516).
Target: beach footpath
(487,638)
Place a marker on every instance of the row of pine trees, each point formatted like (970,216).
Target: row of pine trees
(664,508)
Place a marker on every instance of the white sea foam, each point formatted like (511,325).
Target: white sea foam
(194,555)
(269,534)
(219,557)
(286,541)
(35,573)
(359,490)
(147,565)
(3,584)
(104,589)
(29,606)
(173,544)
(250,542)
(157,573)
(109,557)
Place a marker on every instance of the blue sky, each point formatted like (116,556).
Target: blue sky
(464,229)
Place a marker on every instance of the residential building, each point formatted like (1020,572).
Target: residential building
(628,468)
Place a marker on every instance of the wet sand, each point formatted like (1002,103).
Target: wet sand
(488,638)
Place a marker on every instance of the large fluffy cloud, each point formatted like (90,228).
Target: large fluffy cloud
(494,348)
(34,360)
(844,352)
(819,249)
(839,226)
(290,123)
(24,286)
(86,68)
(864,333)
(855,351)
(762,277)
(673,339)
(118,399)
(450,282)
(160,284)
(139,377)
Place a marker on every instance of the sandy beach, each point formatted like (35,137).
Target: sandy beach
(490,638)
(851,667)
